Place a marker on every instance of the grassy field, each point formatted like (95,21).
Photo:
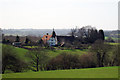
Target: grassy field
(22,53)
(52,53)
(103,72)
(57,52)
(114,43)
(113,38)
(31,46)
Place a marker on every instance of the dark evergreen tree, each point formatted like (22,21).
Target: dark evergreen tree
(92,35)
(27,40)
(40,42)
(17,39)
(101,35)
(4,41)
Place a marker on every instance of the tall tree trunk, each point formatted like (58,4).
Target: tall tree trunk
(99,59)
(102,60)
(37,65)
(3,69)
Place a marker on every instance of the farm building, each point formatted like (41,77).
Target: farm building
(54,40)
(50,39)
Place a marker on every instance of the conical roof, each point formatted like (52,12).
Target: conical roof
(53,34)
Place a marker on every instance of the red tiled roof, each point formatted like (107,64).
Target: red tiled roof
(46,38)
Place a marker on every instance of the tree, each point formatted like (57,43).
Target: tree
(1,58)
(38,58)
(73,31)
(100,48)
(87,61)
(115,56)
(92,35)
(101,35)
(27,40)
(10,60)
(17,39)
(4,41)
(64,61)
(87,34)
(41,43)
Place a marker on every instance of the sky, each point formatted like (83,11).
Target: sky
(58,14)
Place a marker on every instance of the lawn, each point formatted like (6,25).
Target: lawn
(103,72)
(114,43)
(51,53)
(57,52)
(112,38)
(21,53)
(31,46)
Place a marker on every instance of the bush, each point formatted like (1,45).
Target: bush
(70,61)
(87,61)
(19,66)
(64,61)
(10,60)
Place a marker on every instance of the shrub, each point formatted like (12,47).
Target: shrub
(70,61)
(87,61)
(64,61)
(10,60)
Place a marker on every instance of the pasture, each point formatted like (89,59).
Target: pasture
(103,72)
(51,53)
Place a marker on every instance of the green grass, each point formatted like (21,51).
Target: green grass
(113,38)
(31,46)
(57,52)
(104,72)
(51,53)
(113,43)
(22,53)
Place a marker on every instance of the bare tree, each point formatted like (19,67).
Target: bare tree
(38,57)
(100,48)
(73,31)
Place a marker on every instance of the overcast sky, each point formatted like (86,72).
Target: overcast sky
(58,14)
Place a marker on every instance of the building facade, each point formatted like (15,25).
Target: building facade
(51,40)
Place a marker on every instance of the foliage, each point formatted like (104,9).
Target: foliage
(17,39)
(27,40)
(115,56)
(101,35)
(87,61)
(87,34)
(41,43)
(71,61)
(11,60)
(38,58)
(63,61)
(100,50)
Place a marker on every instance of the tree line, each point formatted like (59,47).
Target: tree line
(100,54)
(87,34)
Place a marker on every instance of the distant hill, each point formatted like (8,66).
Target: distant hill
(34,32)
(113,34)
(41,32)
